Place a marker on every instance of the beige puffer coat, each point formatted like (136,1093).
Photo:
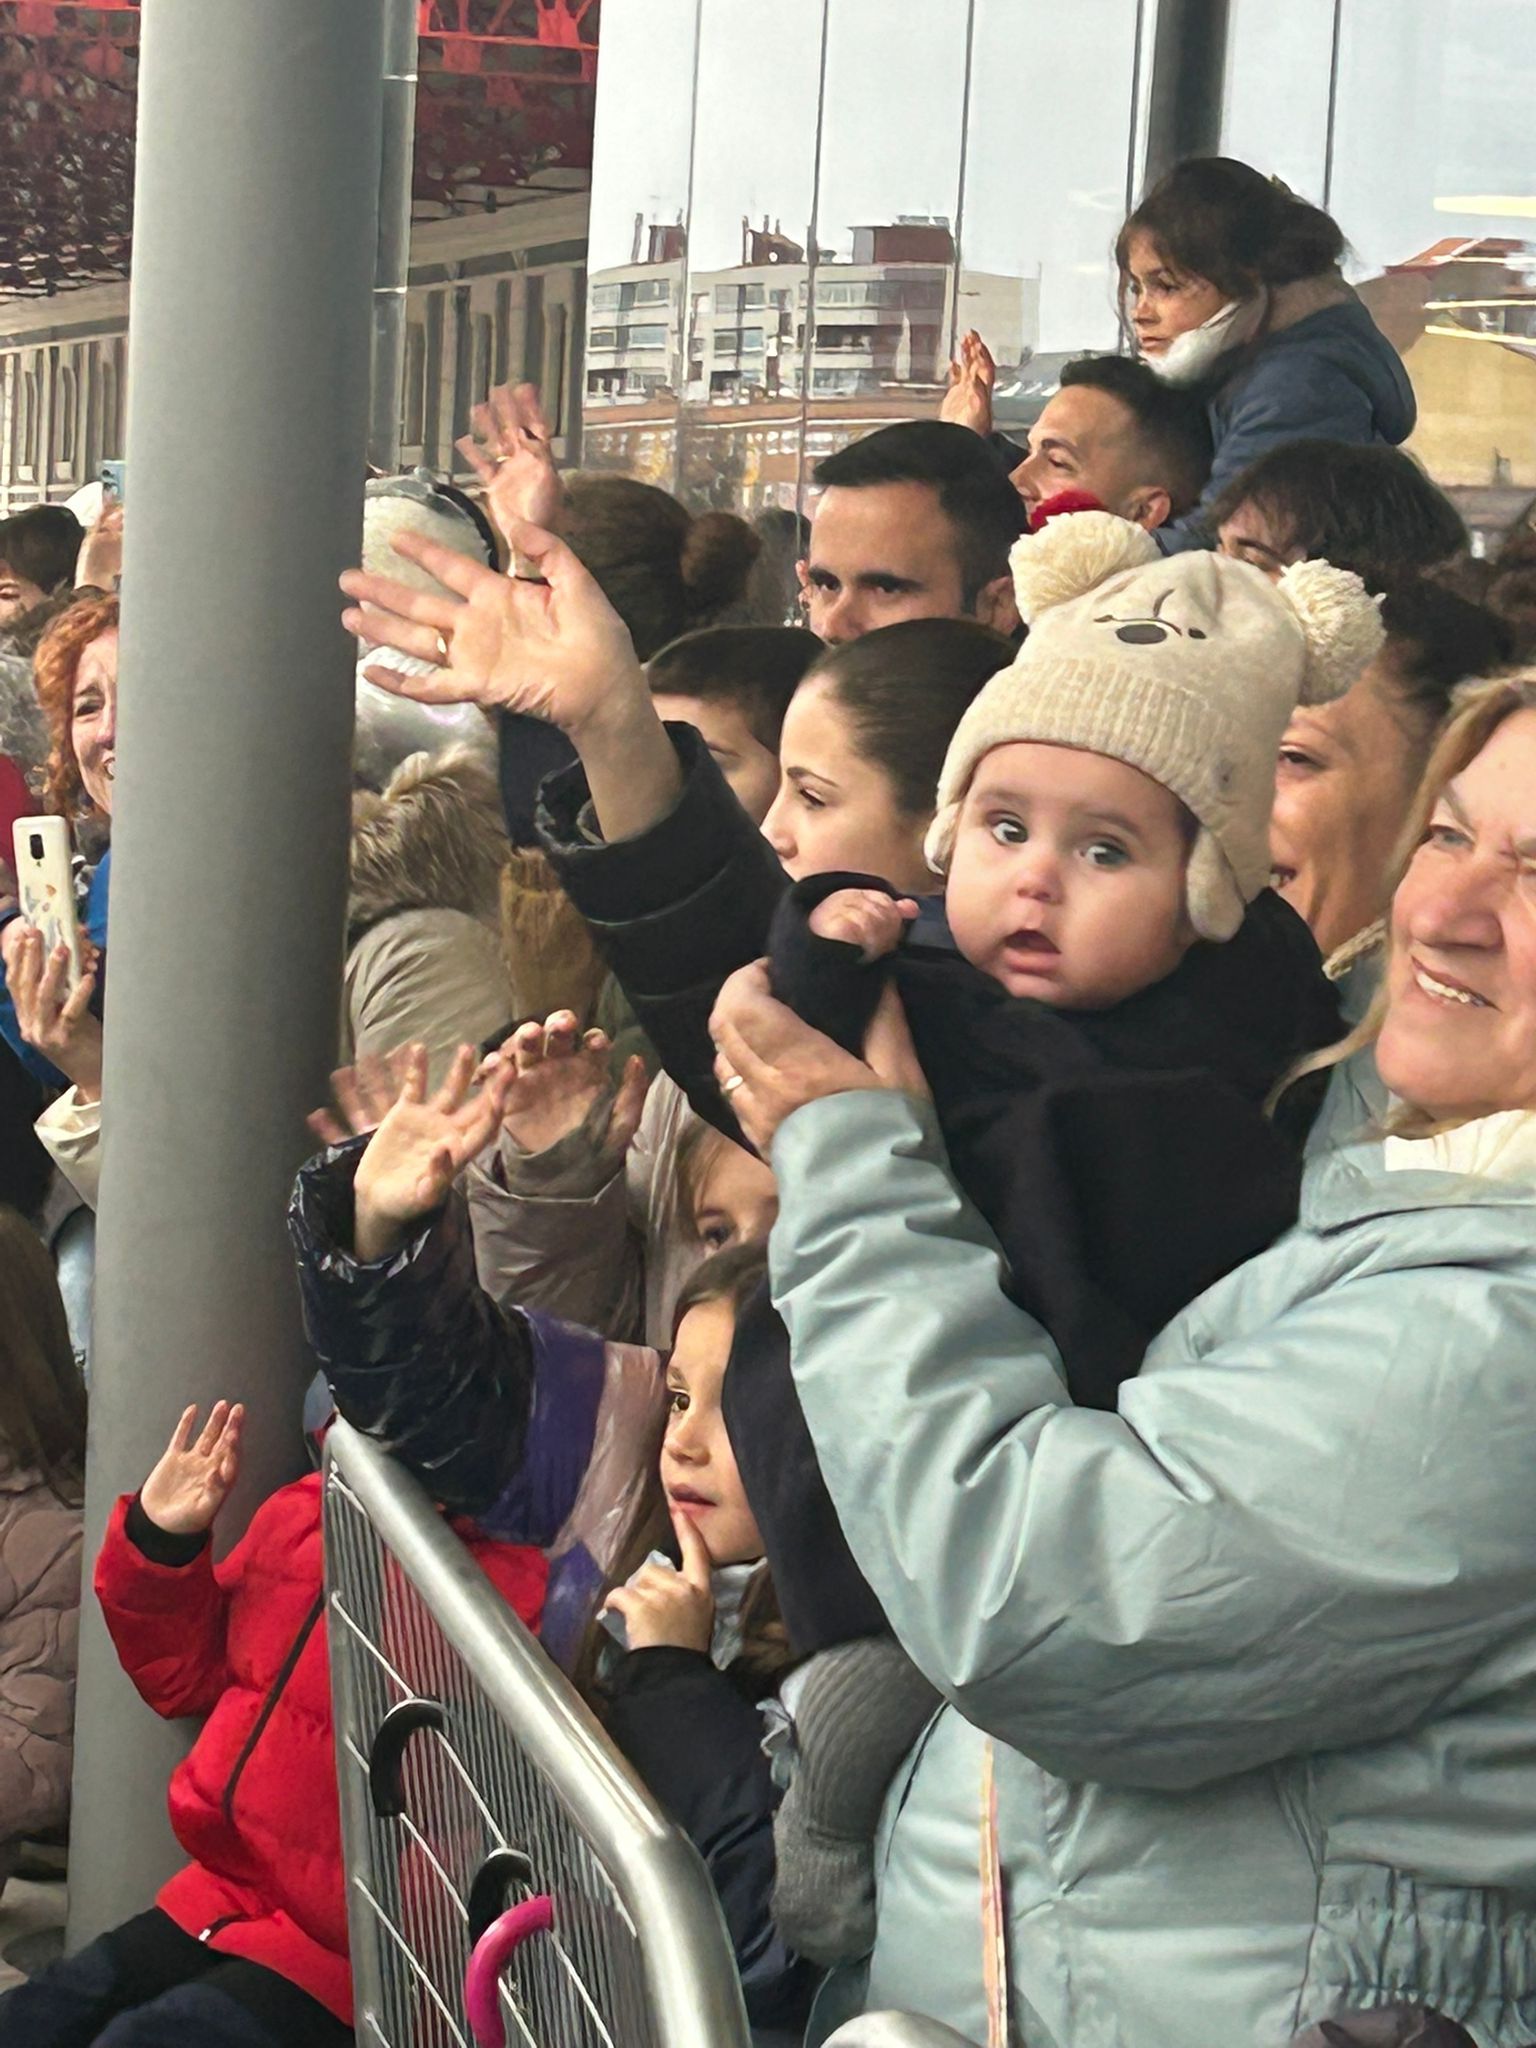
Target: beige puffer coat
(39,1632)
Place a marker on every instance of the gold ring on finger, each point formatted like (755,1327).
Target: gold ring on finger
(444,654)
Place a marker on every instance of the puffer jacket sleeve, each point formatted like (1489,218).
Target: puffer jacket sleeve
(39,1635)
(552,1229)
(1302,1538)
(675,910)
(1264,413)
(166,1620)
(416,1354)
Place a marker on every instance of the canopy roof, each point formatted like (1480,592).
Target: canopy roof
(506,93)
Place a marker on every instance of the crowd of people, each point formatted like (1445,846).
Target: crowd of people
(942,1193)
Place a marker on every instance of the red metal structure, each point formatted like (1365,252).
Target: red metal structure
(506,91)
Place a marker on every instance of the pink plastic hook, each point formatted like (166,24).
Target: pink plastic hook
(492,1953)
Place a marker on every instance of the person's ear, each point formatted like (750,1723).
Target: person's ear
(802,574)
(997,607)
(1149,507)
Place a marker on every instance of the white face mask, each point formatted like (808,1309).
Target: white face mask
(1191,357)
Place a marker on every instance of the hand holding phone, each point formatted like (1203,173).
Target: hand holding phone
(46,882)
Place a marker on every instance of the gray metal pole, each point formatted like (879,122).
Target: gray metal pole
(1188,72)
(255,219)
(392,269)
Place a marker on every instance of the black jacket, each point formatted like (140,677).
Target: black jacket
(695,1736)
(1122,1156)
(676,910)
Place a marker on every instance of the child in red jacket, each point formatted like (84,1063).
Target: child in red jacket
(246,1946)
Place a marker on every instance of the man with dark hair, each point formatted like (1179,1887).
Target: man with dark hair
(1114,431)
(38,549)
(914,522)
(1369,509)
(733,684)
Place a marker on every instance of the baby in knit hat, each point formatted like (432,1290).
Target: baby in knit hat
(1117,990)
(1101,1013)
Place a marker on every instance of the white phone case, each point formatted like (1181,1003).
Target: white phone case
(45,878)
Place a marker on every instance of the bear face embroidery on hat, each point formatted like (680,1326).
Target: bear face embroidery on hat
(1150,630)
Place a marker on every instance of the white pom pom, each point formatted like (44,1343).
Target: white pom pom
(1341,623)
(1073,554)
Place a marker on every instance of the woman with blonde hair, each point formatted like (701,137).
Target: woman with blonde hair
(1240,1678)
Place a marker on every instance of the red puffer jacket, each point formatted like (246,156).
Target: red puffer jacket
(254,1804)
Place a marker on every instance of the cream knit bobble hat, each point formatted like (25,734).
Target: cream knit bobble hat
(1186,666)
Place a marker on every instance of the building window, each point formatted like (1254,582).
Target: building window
(652,291)
(645,337)
(605,298)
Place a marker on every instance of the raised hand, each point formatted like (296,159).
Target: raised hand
(364,1095)
(420,1148)
(508,449)
(866,918)
(193,1479)
(553,648)
(972,374)
(557,1077)
(99,565)
(52,1019)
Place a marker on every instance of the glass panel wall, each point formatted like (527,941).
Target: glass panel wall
(1430,170)
(814,211)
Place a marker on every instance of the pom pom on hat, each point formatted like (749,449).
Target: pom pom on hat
(1186,667)
(1340,622)
(1069,557)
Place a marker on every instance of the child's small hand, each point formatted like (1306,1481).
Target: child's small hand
(666,1607)
(558,1076)
(420,1148)
(192,1481)
(866,918)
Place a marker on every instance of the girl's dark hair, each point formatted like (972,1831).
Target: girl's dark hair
(1219,219)
(733,1276)
(1369,509)
(42,1400)
(906,688)
(662,570)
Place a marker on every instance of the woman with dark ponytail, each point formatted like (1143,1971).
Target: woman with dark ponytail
(1231,284)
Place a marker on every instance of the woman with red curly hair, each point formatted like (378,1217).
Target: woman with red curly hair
(56,1034)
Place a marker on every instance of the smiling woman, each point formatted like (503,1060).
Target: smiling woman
(1235,1624)
(1455,1023)
(1347,771)
(76,676)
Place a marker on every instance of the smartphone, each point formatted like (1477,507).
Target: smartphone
(112,474)
(45,877)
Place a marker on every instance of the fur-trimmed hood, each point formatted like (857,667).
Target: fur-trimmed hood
(432,840)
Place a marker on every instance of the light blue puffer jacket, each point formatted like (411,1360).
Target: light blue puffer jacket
(1255,1658)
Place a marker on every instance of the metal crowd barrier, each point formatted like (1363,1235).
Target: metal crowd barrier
(490,1826)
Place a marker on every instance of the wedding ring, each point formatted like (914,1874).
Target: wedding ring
(444,657)
(729,1087)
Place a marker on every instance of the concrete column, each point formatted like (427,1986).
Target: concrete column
(254,242)
(392,268)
